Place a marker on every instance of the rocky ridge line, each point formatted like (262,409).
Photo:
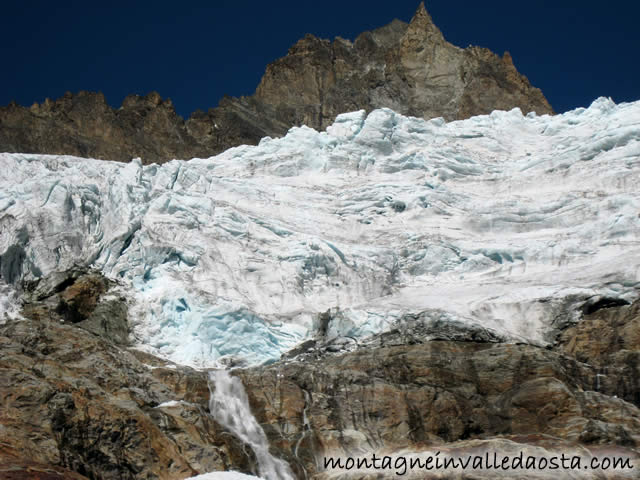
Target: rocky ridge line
(409,68)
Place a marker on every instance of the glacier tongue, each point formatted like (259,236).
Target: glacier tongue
(503,221)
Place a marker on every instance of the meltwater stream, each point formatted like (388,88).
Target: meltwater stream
(229,405)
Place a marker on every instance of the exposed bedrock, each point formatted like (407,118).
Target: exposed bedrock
(413,397)
(76,401)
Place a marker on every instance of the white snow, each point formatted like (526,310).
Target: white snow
(505,221)
(223,476)
(9,304)
(175,403)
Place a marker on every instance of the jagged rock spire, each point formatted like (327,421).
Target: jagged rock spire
(422,25)
(421,41)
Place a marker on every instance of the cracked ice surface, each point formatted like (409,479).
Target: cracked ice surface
(505,221)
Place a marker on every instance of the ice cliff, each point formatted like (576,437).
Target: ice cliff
(506,222)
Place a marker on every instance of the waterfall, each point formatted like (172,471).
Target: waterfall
(306,426)
(9,303)
(229,405)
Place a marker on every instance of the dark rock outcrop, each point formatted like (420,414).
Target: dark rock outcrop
(410,68)
(79,298)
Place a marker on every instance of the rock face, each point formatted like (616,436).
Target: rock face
(79,298)
(609,339)
(453,394)
(409,68)
(76,404)
(83,124)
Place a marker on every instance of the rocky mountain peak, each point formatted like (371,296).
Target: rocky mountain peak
(151,100)
(422,25)
(386,36)
(308,44)
(409,68)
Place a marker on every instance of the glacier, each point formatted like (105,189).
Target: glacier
(506,222)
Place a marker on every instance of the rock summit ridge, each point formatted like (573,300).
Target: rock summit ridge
(409,68)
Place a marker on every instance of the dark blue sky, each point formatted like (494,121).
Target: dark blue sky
(195,52)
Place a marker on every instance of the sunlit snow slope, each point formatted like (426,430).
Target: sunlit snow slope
(504,221)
